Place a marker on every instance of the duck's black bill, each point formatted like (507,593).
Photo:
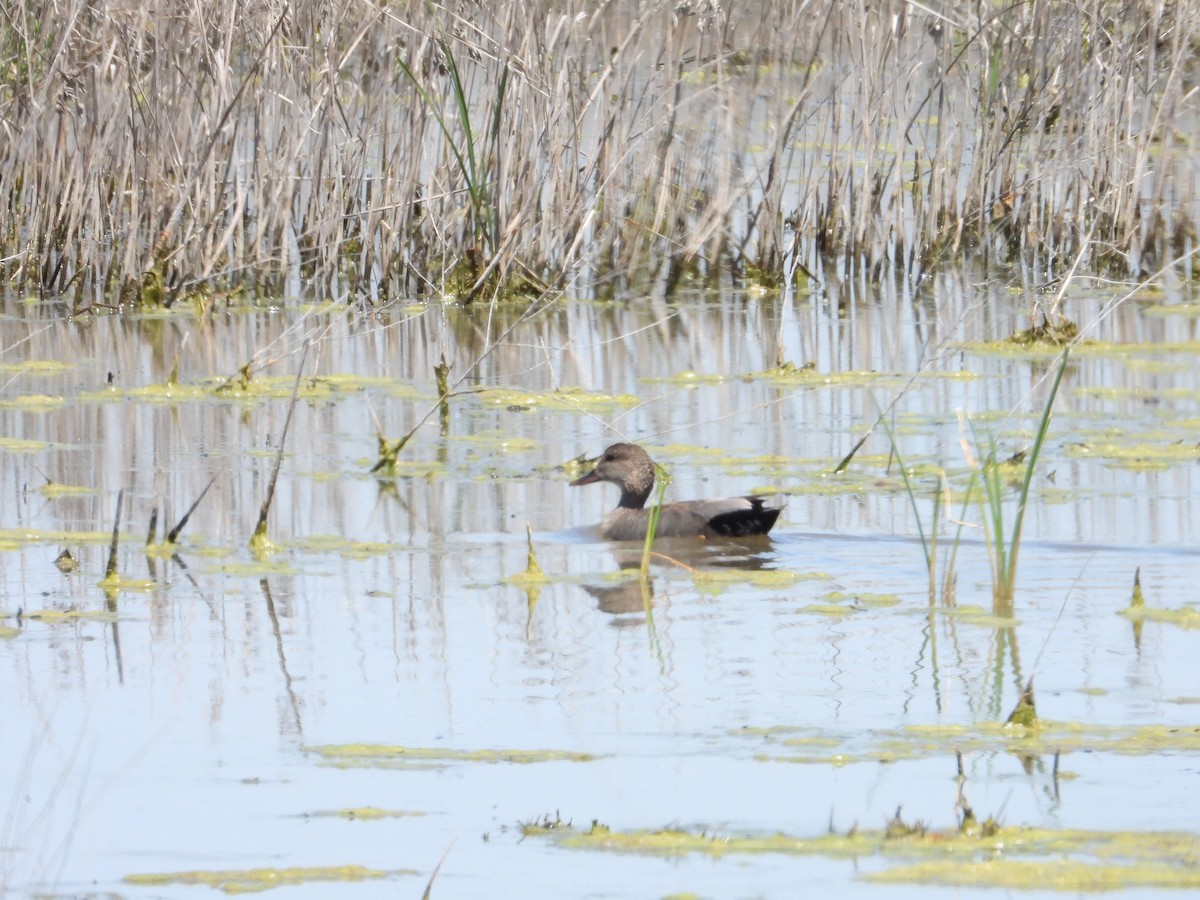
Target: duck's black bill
(589,478)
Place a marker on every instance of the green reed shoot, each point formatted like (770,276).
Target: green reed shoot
(1002,551)
(110,572)
(466,155)
(259,542)
(929,542)
(664,479)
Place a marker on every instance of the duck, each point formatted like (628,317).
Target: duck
(631,469)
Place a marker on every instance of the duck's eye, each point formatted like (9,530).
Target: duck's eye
(608,457)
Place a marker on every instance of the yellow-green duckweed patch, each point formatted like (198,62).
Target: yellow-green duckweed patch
(565,400)
(714,580)
(808,375)
(168,393)
(1152,858)
(52,616)
(977,615)
(1171,309)
(119,583)
(256,569)
(688,378)
(1055,875)
(391,755)
(53,490)
(1184,617)
(18,537)
(1045,738)
(830,610)
(424,469)
(366,813)
(1140,452)
(33,402)
(38,367)
(22,445)
(1038,349)
(251,387)
(875,601)
(343,547)
(252,881)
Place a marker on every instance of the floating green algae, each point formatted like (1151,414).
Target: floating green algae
(252,881)
(1185,617)
(118,583)
(1045,738)
(977,615)
(343,547)
(22,445)
(72,614)
(495,441)
(366,813)
(391,755)
(427,470)
(38,367)
(15,538)
(688,378)
(565,399)
(713,580)
(875,601)
(248,387)
(1055,875)
(787,373)
(52,490)
(1170,309)
(830,610)
(1038,349)
(256,569)
(1148,858)
(33,402)
(1140,455)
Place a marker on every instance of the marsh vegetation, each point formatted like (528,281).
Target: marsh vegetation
(354,150)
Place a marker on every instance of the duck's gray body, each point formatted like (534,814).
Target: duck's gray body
(630,468)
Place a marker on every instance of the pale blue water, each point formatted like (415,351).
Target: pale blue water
(177,735)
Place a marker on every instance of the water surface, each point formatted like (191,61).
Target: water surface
(177,725)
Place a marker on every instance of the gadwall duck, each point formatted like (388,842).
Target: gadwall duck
(630,468)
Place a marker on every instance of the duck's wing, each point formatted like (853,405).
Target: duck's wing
(739,516)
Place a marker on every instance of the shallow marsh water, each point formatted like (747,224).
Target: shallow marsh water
(228,713)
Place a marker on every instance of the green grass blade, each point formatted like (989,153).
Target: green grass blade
(1031,463)
(664,479)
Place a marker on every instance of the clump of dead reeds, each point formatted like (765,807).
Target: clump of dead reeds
(160,150)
